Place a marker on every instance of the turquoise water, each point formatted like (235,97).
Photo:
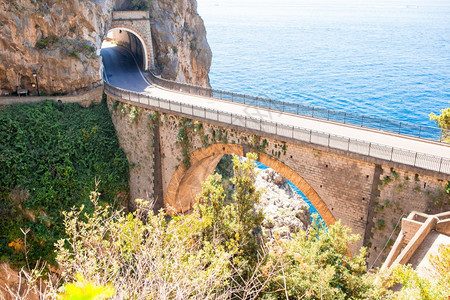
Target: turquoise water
(386,59)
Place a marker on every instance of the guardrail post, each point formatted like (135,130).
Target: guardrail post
(298,106)
(192,106)
(392,152)
(260,127)
(244,99)
(293,128)
(310,135)
(420,129)
(232,97)
(283,105)
(370,147)
(312,112)
(221,96)
(440,165)
(345,117)
(399,127)
(348,145)
(329,138)
(380,122)
(415,159)
(328,116)
(362,121)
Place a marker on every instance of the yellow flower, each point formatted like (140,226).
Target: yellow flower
(85,290)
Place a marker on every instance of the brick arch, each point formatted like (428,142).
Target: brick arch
(185,184)
(142,39)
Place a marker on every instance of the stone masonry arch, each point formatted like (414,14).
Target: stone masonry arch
(138,24)
(186,183)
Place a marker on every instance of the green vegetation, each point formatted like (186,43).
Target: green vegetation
(443,121)
(46,42)
(140,5)
(50,158)
(73,48)
(217,252)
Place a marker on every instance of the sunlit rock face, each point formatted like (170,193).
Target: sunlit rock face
(59,40)
(179,38)
(285,211)
(56,39)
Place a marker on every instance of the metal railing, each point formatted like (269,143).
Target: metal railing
(416,159)
(404,128)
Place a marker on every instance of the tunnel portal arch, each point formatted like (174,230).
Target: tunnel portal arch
(138,24)
(145,55)
(185,183)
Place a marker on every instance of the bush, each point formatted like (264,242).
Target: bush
(50,157)
(139,5)
(46,42)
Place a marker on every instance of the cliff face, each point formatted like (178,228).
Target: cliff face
(57,39)
(60,40)
(179,40)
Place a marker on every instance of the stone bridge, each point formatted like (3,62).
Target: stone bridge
(354,169)
(342,184)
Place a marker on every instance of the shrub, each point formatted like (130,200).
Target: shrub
(46,42)
(50,157)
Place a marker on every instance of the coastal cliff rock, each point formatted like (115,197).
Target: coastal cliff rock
(60,41)
(179,40)
(285,211)
(56,39)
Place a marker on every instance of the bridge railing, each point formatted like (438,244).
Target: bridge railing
(404,128)
(416,159)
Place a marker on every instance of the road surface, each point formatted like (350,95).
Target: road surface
(122,71)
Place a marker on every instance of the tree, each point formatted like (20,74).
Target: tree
(443,121)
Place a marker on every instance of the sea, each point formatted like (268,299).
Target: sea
(387,59)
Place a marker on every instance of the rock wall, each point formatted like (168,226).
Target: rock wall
(59,40)
(179,40)
(56,39)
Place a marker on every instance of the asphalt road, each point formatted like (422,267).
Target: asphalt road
(122,71)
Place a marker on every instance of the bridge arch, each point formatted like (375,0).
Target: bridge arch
(185,183)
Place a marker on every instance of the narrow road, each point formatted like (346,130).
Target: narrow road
(122,71)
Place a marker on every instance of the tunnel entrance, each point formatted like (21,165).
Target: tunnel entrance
(130,40)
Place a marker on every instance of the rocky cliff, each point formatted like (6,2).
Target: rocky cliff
(59,40)
(179,38)
(285,211)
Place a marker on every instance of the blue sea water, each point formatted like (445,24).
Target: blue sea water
(381,58)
